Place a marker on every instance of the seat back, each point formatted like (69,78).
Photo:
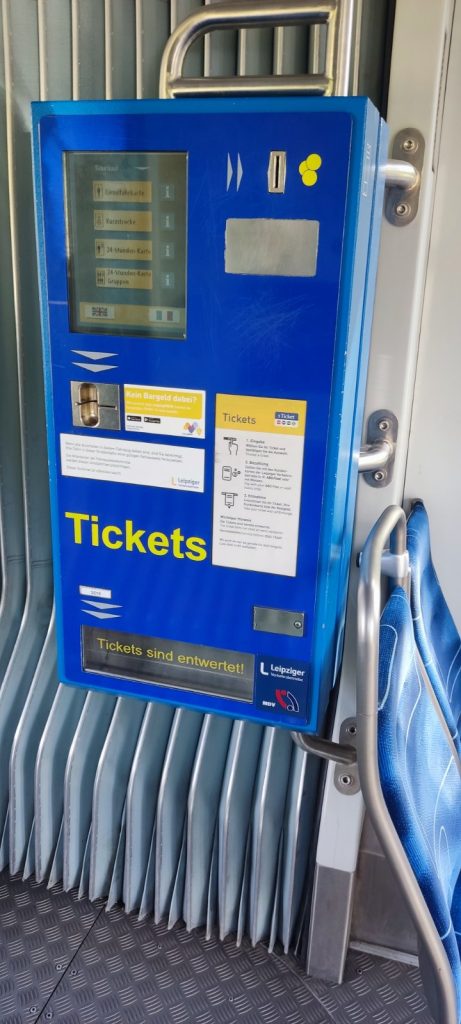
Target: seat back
(420,777)
(436,635)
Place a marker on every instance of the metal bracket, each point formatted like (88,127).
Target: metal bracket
(348,782)
(377,456)
(343,753)
(403,177)
(395,566)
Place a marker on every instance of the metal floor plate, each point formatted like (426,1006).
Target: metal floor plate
(69,962)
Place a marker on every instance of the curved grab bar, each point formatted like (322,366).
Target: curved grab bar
(337,15)
(392,524)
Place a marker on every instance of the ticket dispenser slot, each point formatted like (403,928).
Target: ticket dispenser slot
(88,405)
(207,272)
(95,405)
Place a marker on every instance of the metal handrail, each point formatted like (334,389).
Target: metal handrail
(438,983)
(339,753)
(336,15)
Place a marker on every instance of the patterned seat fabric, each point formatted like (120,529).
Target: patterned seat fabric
(420,778)
(436,635)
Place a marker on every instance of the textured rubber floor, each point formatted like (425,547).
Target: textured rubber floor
(70,962)
(40,933)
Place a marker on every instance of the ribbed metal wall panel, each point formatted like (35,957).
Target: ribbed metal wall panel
(176,814)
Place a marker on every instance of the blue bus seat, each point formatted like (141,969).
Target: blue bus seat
(420,777)
(436,635)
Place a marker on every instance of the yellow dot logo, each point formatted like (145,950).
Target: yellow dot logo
(308,169)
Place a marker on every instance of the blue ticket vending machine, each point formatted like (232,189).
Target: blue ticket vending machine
(207,273)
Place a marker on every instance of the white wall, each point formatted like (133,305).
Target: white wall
(434,460)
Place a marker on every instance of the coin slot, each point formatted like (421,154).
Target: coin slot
(277,171)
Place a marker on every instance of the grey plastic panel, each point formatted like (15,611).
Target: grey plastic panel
(268,816)
(177,896)
(4,841)
(18,678)
(147,898)
(79,779)
(142,795)
(120,49)
(172,803)
(110,791)
(49,774)
(298,838)
(234,819)
(88,64)
(202,812)
(12,539)
(116,883)
(55,874)
(29,863)
(25,747)
(152,31)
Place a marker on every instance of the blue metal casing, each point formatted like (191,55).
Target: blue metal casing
(293,338)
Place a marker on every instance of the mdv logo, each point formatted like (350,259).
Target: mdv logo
(287,701)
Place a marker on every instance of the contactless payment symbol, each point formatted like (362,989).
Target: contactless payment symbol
(308,169)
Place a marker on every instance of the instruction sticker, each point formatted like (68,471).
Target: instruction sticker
(259,446)
(133,462)
(178,412)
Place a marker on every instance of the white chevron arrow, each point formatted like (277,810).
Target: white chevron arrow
(230,172)
(100,615)
(95,367)
(239,171)
(102,605)
(94,355)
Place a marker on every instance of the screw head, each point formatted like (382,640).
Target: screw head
(352,730)
(346,780)
(409,145)
(383,425)
(379,476)
(298,624)
(402,209)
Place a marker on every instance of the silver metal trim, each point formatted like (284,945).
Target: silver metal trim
(439,986)
(338,17)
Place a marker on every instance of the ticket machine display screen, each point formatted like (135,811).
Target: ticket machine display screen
(126,229)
